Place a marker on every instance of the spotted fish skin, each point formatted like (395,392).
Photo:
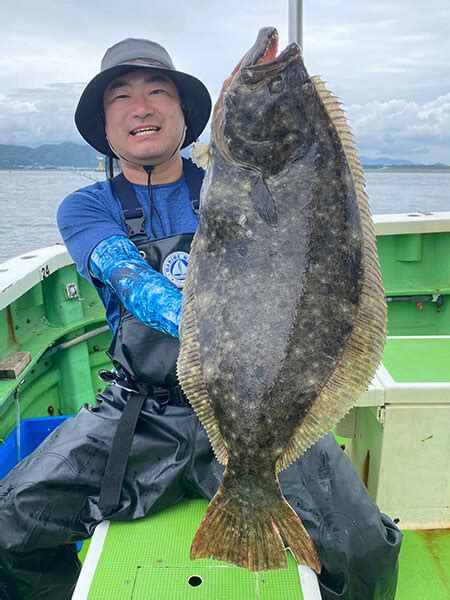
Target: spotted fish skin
(284,313)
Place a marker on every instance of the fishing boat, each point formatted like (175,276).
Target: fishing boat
(53,342)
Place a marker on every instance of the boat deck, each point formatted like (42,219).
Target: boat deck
(149,558)
(418,358)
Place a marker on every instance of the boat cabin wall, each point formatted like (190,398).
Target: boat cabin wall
(415,269)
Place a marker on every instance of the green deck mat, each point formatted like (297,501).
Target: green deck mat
(424,566)
(420,360)
(149,559)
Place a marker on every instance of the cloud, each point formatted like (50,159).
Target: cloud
(399,128)
(39,115)
(368,52)
(371,54)
(12,106)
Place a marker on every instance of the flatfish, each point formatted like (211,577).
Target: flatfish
(283,311)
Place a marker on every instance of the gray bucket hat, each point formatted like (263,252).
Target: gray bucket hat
(129,55)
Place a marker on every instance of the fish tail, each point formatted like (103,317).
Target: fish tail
(297,539)
(253,540)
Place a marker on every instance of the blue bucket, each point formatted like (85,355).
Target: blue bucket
(32,433)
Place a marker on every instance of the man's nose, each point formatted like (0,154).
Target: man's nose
(142,105)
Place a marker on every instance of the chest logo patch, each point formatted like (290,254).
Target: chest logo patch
(175,266)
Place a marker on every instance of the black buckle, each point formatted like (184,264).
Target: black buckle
(134,220)
(161,398)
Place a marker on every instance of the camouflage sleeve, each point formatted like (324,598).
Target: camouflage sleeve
(147,294)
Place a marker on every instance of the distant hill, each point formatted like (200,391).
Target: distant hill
(82,156)
(67,154)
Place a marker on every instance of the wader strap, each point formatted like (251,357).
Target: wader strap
(118,457)
(194,179)
(133,213)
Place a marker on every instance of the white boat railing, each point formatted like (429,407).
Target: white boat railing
(413,222)
(21,273)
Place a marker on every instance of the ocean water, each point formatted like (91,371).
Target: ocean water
(29,200)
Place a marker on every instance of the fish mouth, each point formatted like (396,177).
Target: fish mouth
(264,50)
(259,66)
(261,61)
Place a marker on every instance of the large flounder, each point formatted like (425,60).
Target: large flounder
(284,312)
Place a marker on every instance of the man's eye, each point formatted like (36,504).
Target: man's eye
(158,91)
(120,97)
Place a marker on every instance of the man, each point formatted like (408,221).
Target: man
(142,447)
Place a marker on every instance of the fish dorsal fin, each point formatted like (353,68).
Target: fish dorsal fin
(189,369)
(332,106)
(263,200)
(362,353)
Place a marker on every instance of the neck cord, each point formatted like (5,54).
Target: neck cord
(148,169)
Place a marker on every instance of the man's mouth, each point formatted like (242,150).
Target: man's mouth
(147,130)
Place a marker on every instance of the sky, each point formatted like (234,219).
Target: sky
(389,62)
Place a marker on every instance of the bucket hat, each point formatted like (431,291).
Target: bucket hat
(126,56)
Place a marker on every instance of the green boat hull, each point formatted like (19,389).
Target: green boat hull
(397,435)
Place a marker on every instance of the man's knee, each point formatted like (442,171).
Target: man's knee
(360,560)
(358,547)
(354,544)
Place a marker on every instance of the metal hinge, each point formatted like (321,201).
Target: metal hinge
(381,415)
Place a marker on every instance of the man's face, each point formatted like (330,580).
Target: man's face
(143,116)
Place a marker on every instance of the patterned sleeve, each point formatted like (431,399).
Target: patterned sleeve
(147,294)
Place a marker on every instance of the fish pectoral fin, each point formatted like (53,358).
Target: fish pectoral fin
(201,154)
(263,201)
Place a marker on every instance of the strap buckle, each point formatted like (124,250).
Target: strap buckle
(161,398)
(134,220)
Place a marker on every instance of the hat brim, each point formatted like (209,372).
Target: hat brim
(88,115)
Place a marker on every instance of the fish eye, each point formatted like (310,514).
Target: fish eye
(276,85)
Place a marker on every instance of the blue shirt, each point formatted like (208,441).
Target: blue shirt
(93,213)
